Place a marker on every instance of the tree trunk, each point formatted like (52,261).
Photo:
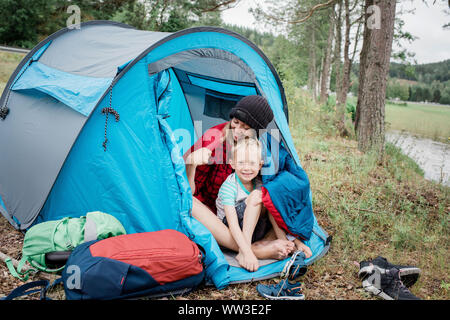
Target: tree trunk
(312,81)
(327,61)
(341,92)
(337,49)
(374,67)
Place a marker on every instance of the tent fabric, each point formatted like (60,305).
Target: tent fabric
(212,61)
(96,50)
(35,139)
(3,210)
(24,66)
(81,93)
(225,87)
(41,51)
(54,165)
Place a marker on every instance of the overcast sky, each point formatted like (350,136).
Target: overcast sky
(432,45)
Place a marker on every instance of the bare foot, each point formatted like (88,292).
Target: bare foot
(248,262)
(275,249)
(303,247)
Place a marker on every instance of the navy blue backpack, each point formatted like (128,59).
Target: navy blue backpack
(149,264)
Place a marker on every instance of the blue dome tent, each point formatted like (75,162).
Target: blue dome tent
(98,118)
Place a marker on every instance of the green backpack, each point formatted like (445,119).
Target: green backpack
(62,236)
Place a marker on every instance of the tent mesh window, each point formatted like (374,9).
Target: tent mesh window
(219,105)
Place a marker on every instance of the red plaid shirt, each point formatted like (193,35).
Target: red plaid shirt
(209,177)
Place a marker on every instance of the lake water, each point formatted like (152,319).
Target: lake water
(431,156)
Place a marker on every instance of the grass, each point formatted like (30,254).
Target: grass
(370,207)
(430,121)
(8,63)
(424,120)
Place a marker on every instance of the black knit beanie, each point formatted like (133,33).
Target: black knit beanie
(254,111)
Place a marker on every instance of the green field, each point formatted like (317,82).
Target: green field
(8,63)
(430,121)
(424,120)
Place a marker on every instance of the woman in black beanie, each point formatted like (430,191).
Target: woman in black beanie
(254,111)
(207,168)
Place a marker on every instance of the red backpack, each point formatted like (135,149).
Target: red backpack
(152,264)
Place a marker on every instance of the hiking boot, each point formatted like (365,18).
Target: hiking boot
(387,285)
(408,274)
(281,291)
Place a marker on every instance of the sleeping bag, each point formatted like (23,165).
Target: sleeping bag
(286,193)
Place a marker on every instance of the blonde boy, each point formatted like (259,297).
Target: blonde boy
(239,204)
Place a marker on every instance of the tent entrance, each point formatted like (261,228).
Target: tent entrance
(206,85)
(209,96)
(211,80)
(210,99)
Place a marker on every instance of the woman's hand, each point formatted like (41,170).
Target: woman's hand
(199,157)
(194,159)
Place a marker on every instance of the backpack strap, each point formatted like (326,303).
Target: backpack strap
(24,275)
(44,269)
(26,289)
(18,273)
(65,223)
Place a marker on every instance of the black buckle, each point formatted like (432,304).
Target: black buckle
(4,111)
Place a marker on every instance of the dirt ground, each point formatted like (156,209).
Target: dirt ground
(337,282)
(333,277)
(11,245)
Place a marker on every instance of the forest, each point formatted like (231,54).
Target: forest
(25,23)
